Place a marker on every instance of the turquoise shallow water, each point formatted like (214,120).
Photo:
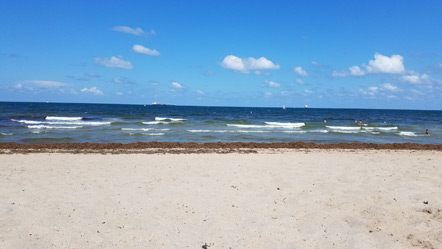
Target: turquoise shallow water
(30,123)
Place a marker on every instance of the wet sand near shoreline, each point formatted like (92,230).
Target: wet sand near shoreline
(304,198)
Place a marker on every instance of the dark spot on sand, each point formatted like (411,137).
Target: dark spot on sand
(277,188)
(204,246)
(428,211)
(426,202)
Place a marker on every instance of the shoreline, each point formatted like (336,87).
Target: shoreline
(179,148)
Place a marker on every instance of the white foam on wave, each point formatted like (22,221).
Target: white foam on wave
(407,134)
(156,122)
(52,127)
(170,119)
(270,125)
(381,128)
(73,122)
(296,132)
(319,131)
(6,134)
(227,131)
(143,129)
(344,128)
(148,134)
(285,125)
(63,118)
(246,126)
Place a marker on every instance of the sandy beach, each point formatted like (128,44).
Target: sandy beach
(275,198)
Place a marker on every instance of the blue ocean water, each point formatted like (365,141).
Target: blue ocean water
(31,123)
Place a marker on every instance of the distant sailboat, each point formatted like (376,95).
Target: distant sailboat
(283,107)
(306,106)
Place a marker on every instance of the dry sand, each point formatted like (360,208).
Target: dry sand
(273,199)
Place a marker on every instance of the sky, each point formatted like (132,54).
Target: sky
(324,54)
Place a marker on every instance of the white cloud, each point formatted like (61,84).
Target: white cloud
(177,85)
(385,64)
(244,65)
(339,74)
(267,95)
(306,91)
(300,71)
(199,92)
(415,78)
(299,81)
(380,64)
(272,84)
(44,83)
(356,71)
(93,90)
(116,62)
(134,31)
(285,93)
(369,91)
(373,89)
(389,87)
(143,50)
(379,91)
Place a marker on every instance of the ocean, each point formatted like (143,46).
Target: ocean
(33,123)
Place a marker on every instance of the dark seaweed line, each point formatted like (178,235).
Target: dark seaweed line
(169,147)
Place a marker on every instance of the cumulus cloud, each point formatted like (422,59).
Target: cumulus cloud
(244,65)
(93,90)
(134,31)
(114,61)
(389,87)
(272,84)
(385,90)
(356,71)
(300,71)
(177,85)
(380,65)
(143,50)
(385,64)
(299,81)
(415,78)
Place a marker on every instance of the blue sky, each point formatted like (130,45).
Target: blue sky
(342,54)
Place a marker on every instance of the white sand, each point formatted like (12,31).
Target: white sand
(291,199)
